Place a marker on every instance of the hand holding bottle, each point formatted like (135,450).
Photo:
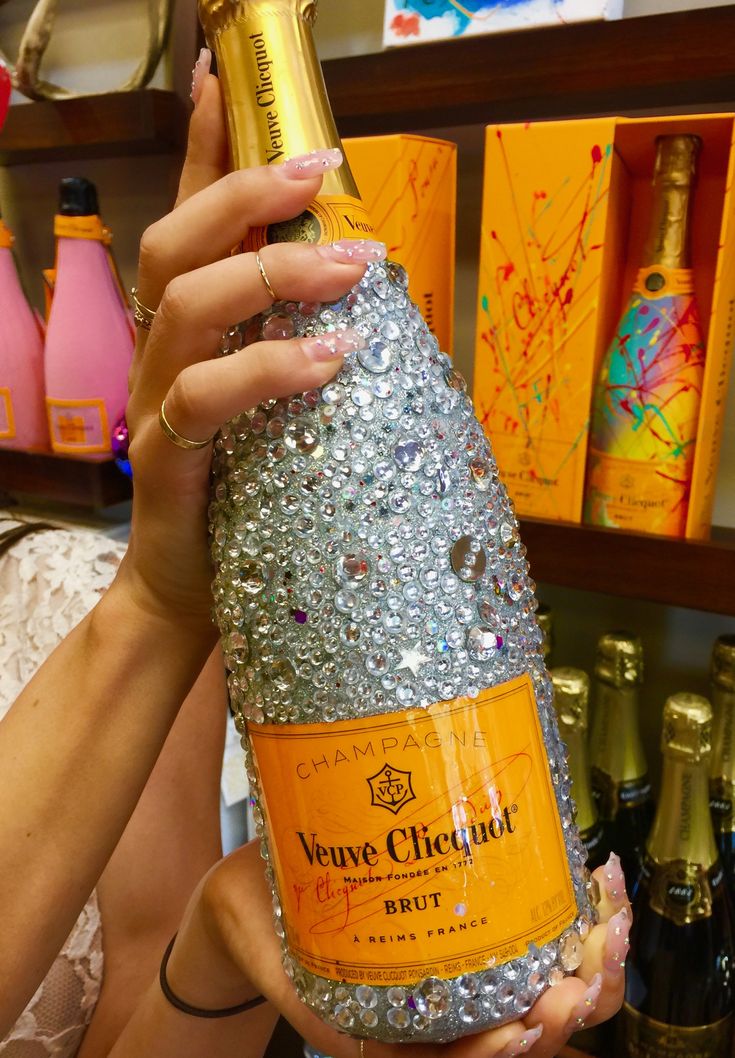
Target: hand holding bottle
(187,275)
(223,956)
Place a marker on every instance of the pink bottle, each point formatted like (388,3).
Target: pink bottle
(89,339)
(22,410)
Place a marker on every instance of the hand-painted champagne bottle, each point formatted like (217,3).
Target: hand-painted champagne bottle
(646,402)
(378,623)
(89,340)
(722,769)
(571,699)
(679,986)
(22,406)
(620,780)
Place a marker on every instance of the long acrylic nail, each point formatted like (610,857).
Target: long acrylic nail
(306,166)
(199,73)
(522,1043)
(616,942)
(349,250)
(585,1006)
(330,346)
(614,879)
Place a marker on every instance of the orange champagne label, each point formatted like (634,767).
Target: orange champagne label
(642,497)
(7,418)
(326,219)
(6,237)
(78,426)
(656,281)
(81,228)
(418,843)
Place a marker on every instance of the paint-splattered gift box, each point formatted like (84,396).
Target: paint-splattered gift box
(565,214)
(409,187)
(417,21)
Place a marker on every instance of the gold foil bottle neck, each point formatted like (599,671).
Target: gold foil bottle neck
(676,159)
(722,667)
(619,659)
(571,697)
(545,621)
(217,15)
(687,727)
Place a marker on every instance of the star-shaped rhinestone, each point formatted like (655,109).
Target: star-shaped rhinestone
(413,659)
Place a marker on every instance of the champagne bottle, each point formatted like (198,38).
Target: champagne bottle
(646,402)
(89,341)
(378,624)
(545,619)
(679,988)
(22,406)
(620,780)
(722,770)
(571,699)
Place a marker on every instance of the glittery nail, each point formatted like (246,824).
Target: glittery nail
(329,346)
(614,879)
(585,1006)
(616,942)
(199,73)
(349,250)
(306,166)
(522,1044)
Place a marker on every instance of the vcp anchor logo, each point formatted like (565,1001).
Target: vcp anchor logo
(391,788)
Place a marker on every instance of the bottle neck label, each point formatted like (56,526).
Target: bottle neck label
(721,796)
(327,219)
(418,843)
(647,1038)
(657,281)
(81,228)
(612,797)
(681,891)
(6,237)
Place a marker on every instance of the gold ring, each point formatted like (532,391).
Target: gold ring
(177,438)
(142,315)
(269,288)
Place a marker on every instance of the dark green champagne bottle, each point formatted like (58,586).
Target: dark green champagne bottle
(722,768)
(571,699)
(619,770)
(679,987)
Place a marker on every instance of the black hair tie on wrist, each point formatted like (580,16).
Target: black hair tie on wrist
(197,1012)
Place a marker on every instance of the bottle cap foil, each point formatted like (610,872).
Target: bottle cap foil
(687,727)
(619,659)
(722,666)
(571,697)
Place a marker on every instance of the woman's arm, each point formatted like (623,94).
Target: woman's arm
(227,951)
(79,743)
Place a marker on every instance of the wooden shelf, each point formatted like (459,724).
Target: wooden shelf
(699,575)
(149,121)
(82,483)
(683,58)
(669,60)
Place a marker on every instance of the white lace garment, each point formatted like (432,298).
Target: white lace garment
(48,582)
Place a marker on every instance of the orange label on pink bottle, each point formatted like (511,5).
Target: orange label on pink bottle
(78,426)
(7,418)
(418,843)
(6,237)
(81,228)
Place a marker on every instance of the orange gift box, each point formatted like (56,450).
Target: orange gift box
(409,187)
(566,208)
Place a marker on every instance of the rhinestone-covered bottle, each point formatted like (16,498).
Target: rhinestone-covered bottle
(377,617)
